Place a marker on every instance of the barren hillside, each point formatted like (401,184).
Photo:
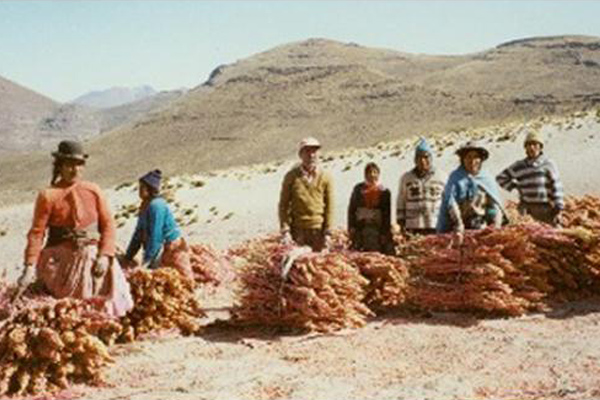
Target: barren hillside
(21,109)
(347,95)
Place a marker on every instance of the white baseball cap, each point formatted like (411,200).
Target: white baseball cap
(309,142)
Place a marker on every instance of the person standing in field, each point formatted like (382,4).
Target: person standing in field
(369,214)
(537,180)
(306,200)
(471,197)
(420,194)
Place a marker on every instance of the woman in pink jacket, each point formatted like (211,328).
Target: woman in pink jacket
(78,257)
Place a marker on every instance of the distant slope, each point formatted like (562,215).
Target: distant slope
(114,97)
(134,111)
(258,108)
(20,111)
(30,121)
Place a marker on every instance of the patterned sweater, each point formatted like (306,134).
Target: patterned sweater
(419,199)
(304,204)
(536,180)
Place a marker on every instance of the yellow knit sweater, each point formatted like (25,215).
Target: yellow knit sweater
(303,204)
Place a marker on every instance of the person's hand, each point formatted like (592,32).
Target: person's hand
(457,240)
(328,241)
(98,271)
(557,221)
(286,238)
(100,266)
(27,276)
(25,280)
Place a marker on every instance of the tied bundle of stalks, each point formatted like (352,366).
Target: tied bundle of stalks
(321,291)
(476,276)
(508,271)
(209,267)
(44,348)
(572,259)
(387,277)
(163,300)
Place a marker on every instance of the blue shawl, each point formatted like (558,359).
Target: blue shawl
(461,186)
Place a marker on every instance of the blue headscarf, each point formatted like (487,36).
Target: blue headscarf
(423,146)
(460,186)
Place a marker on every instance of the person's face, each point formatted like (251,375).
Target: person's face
(372,175)
(143,191)
(309,156)
(472,161)
(423,162)
(71,170)
(533,149)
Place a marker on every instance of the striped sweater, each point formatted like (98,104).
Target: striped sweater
(536,180)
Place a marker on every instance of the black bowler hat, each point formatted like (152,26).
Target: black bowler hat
(70,149)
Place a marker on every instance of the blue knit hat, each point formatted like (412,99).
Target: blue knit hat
(423,147)
(152,179)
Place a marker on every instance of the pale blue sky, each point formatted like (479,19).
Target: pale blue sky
(63,49)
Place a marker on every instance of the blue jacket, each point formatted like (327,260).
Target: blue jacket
(462,186)
(155,226)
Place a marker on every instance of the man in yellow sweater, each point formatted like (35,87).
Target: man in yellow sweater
(306,200)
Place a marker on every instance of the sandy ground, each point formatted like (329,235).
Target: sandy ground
(396,356)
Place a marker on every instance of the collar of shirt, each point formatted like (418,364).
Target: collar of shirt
(534,162)
(308,173)
(422,175)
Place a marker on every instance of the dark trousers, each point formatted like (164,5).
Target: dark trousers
(542,212)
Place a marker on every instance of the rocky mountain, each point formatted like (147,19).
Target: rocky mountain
(114,96)
(258,108)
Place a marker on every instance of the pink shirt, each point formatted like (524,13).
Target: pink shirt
(76,206)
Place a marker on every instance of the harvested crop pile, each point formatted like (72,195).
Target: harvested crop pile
(163,300)
(321,291)
(582,212)
(34,295)
(387,277)
(339,240)
(209,267)
(506,271)
(6,293)
(256,250)
(579,212)
(572,259)
(47,346)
